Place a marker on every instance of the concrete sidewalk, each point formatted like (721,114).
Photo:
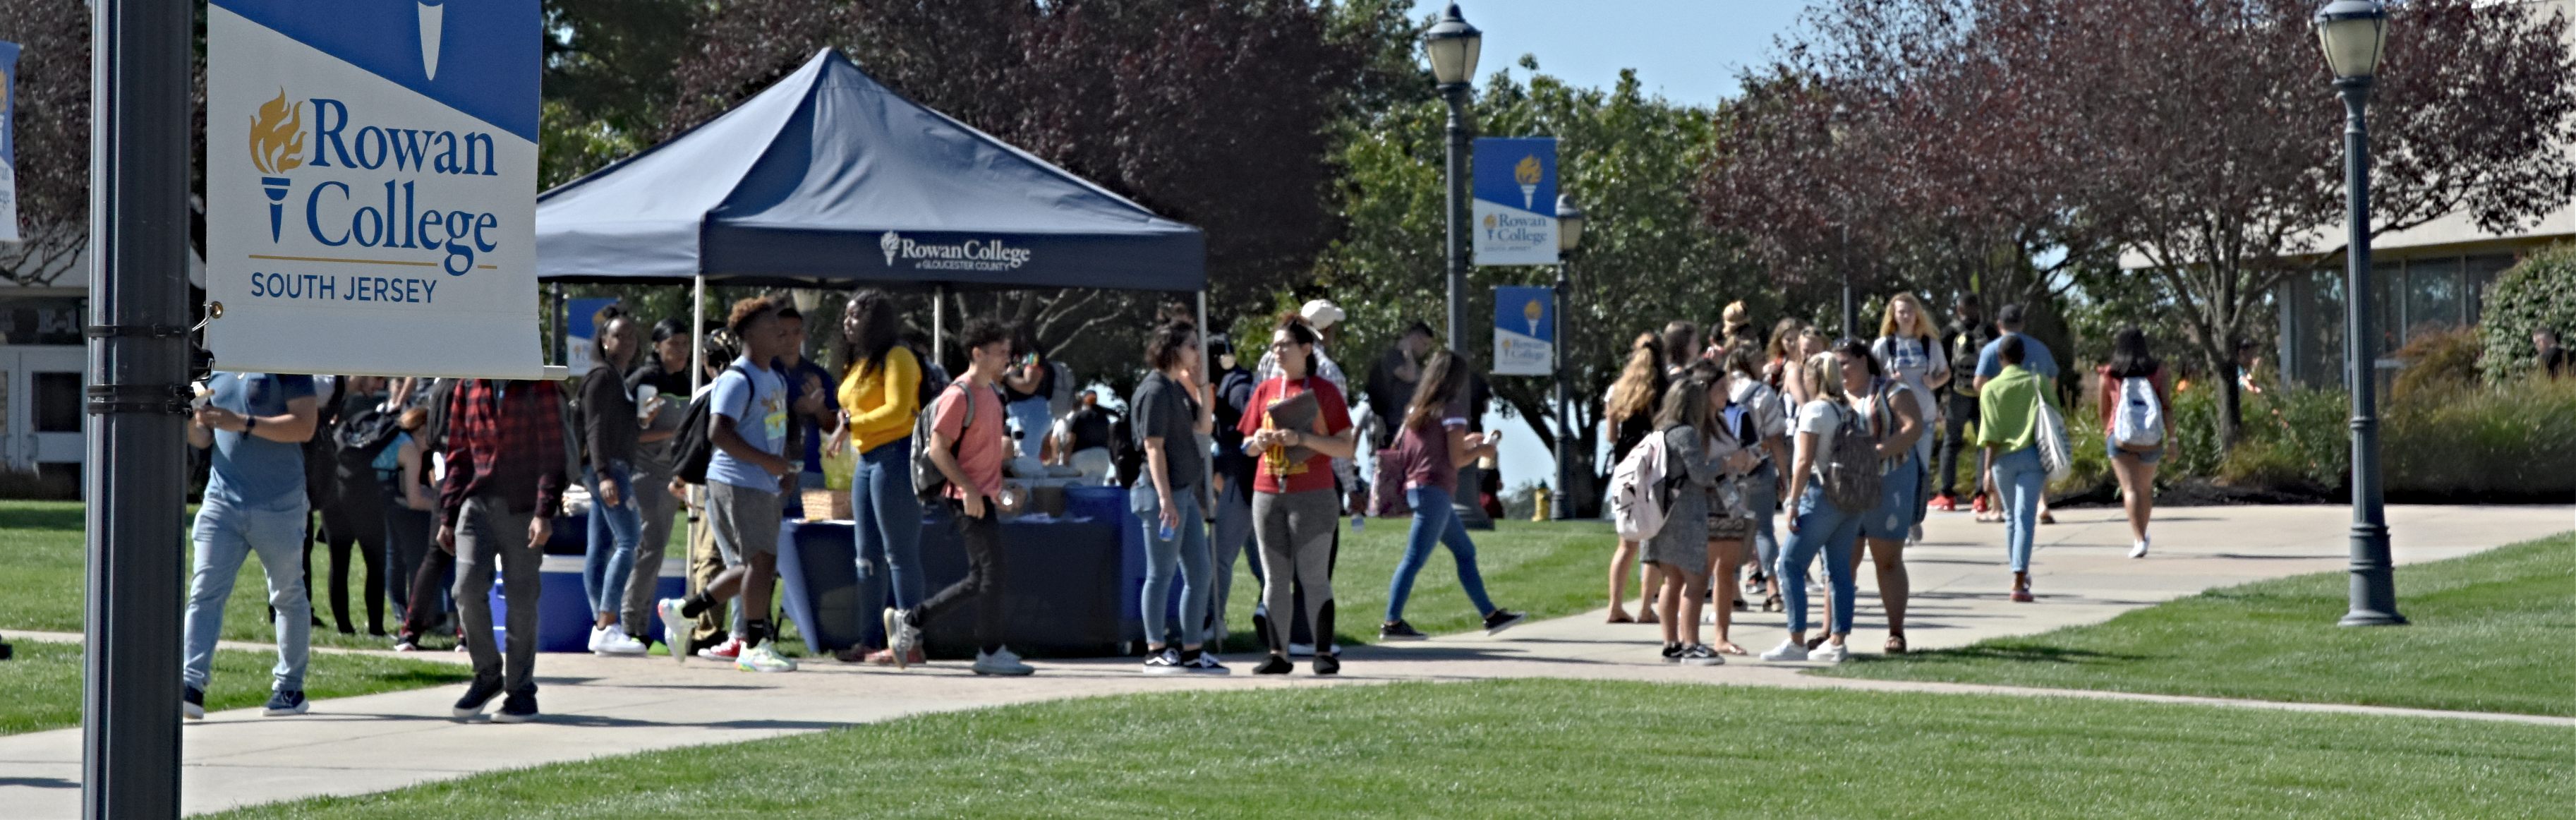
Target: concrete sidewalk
(597,706)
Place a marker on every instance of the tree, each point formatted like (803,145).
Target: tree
(52,133)
(1645,258)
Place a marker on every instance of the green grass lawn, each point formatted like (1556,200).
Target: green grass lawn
(1553,749)
(44,681)
(2494,632)
(1548,569)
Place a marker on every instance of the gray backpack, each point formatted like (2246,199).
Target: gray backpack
(928,482)
(1852,469)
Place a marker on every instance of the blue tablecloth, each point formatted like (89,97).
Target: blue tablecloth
(1063,581)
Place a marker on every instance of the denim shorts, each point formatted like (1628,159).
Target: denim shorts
(2111,450)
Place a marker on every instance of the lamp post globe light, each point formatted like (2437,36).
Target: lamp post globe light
(2351,32)
(1453,46)
(1569,233)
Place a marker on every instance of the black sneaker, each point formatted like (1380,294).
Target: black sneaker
(1274,665)
(1672,653)
(477,695)
(1699,654)
(1205,664)
(519,707)
(1166,662)
(1501,619)
(1400,631)
(192,703)
(1328,664)
(286,702)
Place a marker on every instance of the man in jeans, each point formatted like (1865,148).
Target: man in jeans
(748,425)
(505,481)
(1963,340)
(257,424)
(970,452)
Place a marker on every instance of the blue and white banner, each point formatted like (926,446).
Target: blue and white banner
(1524,331)
(8,142)
(371,179)
(580,328)
(1515,201)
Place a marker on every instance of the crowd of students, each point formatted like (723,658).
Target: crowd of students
(445,487)
(1852,442)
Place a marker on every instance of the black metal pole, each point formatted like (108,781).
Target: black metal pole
(1456,94)
(138,371)
(1851,308)
(1559,508)
(2374,588)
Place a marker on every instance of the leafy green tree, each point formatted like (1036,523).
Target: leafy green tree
(1645,258)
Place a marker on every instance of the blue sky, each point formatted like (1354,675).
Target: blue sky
(1688,51)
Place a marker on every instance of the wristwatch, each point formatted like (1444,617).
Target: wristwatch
(249,423)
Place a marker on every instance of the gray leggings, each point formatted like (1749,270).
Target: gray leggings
(1296,535)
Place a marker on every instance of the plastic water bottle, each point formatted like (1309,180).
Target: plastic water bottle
(1166,532)
(1358,522)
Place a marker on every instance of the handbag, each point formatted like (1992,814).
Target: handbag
(2054,454)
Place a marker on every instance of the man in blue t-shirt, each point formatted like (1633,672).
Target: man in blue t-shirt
(812,409)
(2035,356)
(745,479)
(257,424)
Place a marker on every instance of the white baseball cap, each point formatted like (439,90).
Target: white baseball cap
(1322,312)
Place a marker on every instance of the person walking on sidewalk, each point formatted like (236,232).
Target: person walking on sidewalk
(1171,413)
(1628,416)
(1301,426)
(1907,350)
(505,482)
(880,397)
(611,428)
(1963,340)
(1232,529)
(660,382)
(969,440)
(1990,364)
(1429,447)
(2009,403)
(2137,420)
(746,477)
(255,503)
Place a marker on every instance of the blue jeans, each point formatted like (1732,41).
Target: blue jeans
(614,532)
(226,534)
(1435,522)
(1762,494)
(1900,501)
(1187,547)
(1824,528)
(2020,479)
(889,522)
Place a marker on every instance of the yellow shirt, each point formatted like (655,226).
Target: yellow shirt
(882,401)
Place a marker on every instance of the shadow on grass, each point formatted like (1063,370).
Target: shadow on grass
(2017,653)
(49,517)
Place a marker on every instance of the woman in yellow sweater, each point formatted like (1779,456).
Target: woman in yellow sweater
(879,395)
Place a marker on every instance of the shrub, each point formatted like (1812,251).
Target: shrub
(2508,442)
(2538,292)
(2444,361)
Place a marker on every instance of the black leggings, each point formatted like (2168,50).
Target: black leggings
(357,522)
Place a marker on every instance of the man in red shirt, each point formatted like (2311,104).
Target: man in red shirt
(968,445)
(505,480)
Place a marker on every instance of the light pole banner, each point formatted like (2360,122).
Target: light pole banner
(1524,330)
(580,330)
(371,179)
(1515,201)
(8,142)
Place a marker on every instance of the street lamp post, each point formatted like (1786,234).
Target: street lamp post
(1454,46)
(2351,32)
(1569,232)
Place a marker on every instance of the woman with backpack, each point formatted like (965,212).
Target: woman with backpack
(1909,349)
(1834,480)
(612,429)
(2137,420)
(880,396)
(1423,461)
(1895,412)
(2008,412)
(1300,425)
(1697,458)
(1767,424)
(1628,417)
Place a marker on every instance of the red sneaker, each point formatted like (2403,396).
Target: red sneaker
(885,657)
(729,650)
(1979,504)
(1945,503)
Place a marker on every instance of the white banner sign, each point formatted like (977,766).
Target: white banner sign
(8,142)
(371,177)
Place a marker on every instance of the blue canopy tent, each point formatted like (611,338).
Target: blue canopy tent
(828,177)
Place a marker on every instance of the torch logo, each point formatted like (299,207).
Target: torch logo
(1533,312)
(889,243)
(1526,173)
(433,23)
(276,147)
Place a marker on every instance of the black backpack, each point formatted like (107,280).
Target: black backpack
(695,447)
(363,436)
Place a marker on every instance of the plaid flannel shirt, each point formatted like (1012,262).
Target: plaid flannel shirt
(506,437)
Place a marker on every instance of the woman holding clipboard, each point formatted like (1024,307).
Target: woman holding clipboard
(1303,424)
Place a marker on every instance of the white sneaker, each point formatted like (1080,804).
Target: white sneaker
(616,643)
(1002,662)
(1788,650)
(1829,653)
(1301,650)
(2139,549)
(675,628)
(763,657)
(597,633)
(902,638)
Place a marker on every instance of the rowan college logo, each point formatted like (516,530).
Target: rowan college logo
(276,147)
(890,243)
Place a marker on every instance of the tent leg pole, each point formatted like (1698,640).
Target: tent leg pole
(939,325)
(1207,378)
(697,333)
